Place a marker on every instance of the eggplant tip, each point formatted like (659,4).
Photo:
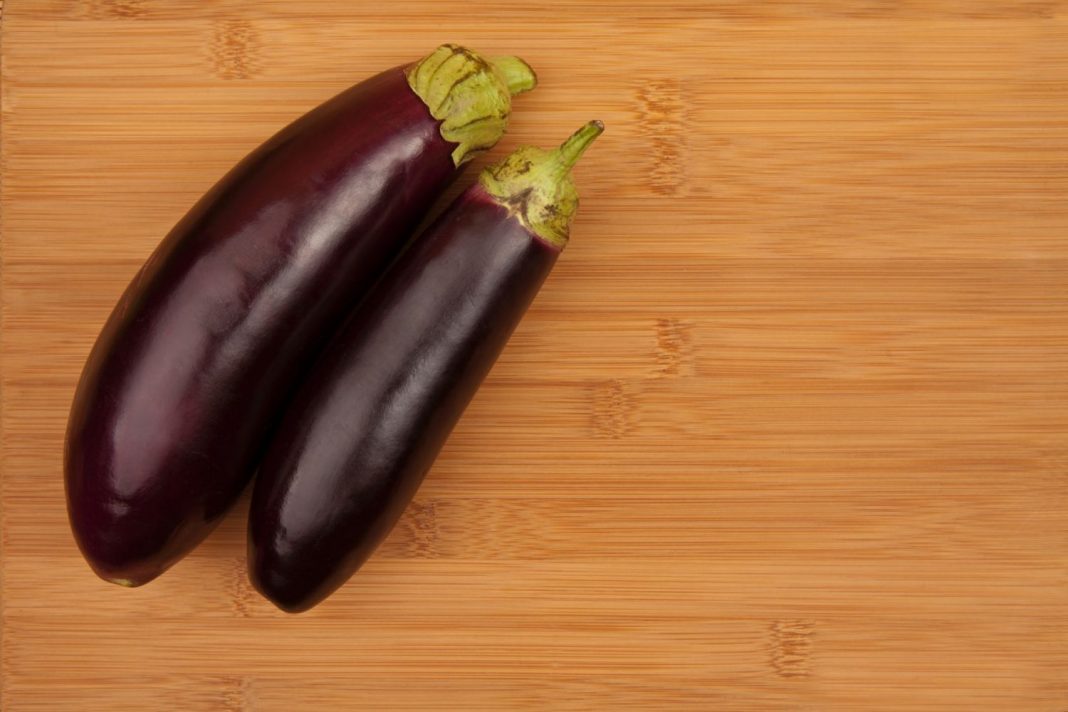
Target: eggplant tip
(124,582)
(284,595)
(292,607)
(125,576)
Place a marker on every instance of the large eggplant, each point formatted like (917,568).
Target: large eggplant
(205,346)
(381,400)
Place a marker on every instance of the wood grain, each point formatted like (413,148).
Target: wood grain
(787,429)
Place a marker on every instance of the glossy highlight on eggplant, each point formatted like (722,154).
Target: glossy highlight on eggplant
(206,344)
(380,402)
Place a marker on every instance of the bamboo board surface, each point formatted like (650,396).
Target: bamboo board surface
(787,428)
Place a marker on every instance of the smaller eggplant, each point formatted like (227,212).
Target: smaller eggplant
(385,394)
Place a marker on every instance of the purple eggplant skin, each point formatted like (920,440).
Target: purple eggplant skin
(368,423)
(380,405)
(208,341)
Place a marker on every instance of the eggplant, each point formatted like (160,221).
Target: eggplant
(185,381)
(383,397)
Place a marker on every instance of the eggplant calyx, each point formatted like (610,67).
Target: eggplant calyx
(535,185)
(470,96)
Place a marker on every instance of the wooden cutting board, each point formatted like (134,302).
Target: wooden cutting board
(787,429)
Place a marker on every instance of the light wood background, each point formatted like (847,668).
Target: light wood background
(787,429)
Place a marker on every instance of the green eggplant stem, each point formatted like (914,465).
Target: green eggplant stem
(535,185)
(469,95)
